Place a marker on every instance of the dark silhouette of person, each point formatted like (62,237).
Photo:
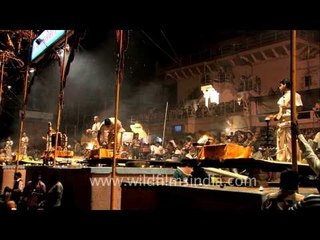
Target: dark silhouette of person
(55,193)
(287,196)
(34,192)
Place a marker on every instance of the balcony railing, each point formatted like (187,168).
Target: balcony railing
(244,44)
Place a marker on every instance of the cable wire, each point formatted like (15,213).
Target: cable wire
(160,47)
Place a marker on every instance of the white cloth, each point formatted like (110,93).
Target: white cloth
(119,125)
(284,148)
(24,144)
(95,128)
(157,150)
(203,140)
(284,103)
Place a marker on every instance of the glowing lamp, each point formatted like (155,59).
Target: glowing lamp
(210,93)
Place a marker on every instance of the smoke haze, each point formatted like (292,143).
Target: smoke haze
(90,87)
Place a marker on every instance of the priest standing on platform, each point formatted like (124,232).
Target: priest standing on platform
(284,149)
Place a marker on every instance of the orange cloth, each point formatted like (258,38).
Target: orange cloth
(224,151)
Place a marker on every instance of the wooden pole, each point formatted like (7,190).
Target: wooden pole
(293,98)
(119,76)
(2,74)
(24,107)
(61,96)
(164,124)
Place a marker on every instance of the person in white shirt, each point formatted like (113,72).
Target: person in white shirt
(95,127)
(284,148)
(156,151)
(8,149)
(24,144)
(93,132)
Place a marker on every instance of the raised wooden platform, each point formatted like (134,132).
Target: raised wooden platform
(88,188)
(195,197)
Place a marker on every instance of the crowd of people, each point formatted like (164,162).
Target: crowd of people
(154,149)
(34,195)
(196,110)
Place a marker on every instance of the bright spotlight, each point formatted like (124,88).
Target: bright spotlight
(210,93)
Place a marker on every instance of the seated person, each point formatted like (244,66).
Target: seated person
(199,176)
(316,109)
(157,151)
(34,192)
(287,196)
(311,202)
(183,173)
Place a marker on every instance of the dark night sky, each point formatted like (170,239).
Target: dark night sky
(160,43)
(95,62)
